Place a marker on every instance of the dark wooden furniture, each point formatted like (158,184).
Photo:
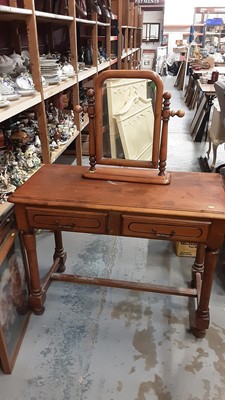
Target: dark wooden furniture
(58,198)
(199,124)
(175,206)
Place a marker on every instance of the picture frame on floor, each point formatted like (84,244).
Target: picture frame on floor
(14,312)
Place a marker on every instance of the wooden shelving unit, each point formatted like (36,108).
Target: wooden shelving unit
(39,31)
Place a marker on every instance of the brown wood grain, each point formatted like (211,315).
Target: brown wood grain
(189,193)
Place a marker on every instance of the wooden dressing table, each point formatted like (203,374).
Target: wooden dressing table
(184,206)
(58,198)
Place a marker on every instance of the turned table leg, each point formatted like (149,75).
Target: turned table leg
(198,265)
(202,316)
(59,251)
(37,295)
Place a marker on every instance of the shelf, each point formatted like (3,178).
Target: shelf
(56,153)
(104,65)
(87,74)
(13,13)
(176,26)
(19,105)
(102,23)
(4,208)
(181,33)
(128,27)
(85,21)
(49,17)
(52,90)
(85,123)
(129,52)
(114,61)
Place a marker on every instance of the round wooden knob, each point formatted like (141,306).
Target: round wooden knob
(90,92)
(78,109)
(178,113)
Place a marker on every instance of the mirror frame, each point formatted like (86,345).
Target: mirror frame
(129,74)
(153,171)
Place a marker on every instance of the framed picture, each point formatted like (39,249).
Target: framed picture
(14,313)
(151,32)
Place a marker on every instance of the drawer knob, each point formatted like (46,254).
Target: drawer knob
(163,235)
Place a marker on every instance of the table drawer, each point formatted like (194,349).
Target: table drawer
(163,228)
(64,220)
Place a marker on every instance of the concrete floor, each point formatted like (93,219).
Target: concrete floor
(108,344)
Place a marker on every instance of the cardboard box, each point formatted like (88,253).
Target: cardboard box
(185,249)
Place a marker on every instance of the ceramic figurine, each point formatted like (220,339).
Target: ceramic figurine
(32,159)
(5,185)
(16,177)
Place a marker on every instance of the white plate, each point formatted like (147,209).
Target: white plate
(53,81)
(47,67)
(48,64)
(27,92)
(6,88)
(50,76)
(13,96)
(72,75)
(5,104)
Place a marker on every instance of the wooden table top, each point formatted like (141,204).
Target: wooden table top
(207,88)
(189,193)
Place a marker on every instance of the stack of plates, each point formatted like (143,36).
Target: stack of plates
(50,71)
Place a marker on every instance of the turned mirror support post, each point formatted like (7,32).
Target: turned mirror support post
(90,109)
(166,114)
(91,115)
(164,138)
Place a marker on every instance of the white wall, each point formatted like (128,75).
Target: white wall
(154,17)
(181,13)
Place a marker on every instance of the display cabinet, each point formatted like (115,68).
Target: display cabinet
(91,41)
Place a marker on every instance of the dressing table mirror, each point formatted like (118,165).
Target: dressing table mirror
(128,127)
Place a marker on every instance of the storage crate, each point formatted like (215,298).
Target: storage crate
(185,249)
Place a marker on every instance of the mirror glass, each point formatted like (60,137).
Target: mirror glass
(128,118)
(128,127)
